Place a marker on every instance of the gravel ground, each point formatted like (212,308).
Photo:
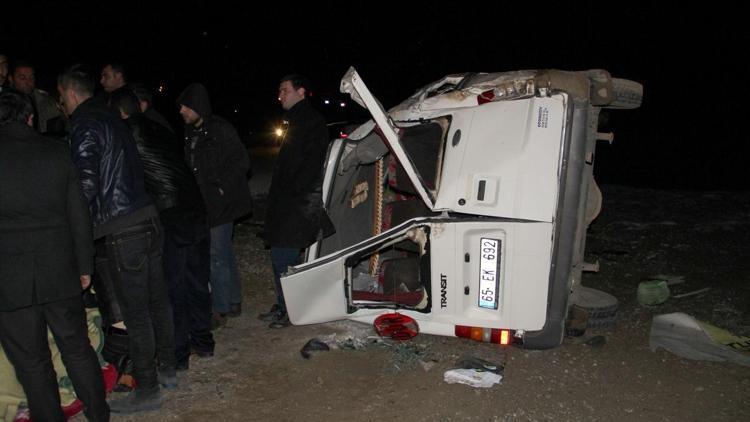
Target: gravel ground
(258,374)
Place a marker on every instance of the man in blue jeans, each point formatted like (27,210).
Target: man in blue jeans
(219,163)
(127,236)
(186,237)
(296,216)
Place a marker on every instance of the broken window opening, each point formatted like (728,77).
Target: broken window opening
(395,275)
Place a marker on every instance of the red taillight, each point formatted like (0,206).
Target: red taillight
(463,331)
(487,335)
(343,135)
(396,326)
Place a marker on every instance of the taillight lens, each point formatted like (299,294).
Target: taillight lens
(487,335)
(396,326)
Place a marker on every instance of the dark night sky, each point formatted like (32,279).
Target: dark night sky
(688,133)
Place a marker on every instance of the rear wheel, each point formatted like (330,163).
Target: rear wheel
(626,94)
(601,307)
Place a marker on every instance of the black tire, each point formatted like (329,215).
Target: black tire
(601,307)
(626,94)
(602,317)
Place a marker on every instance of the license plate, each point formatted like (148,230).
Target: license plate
(489,272)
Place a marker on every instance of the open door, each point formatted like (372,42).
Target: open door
(352,84)
(391,270)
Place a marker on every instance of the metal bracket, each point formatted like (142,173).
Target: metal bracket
(605,136)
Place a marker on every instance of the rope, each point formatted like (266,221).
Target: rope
(377,212)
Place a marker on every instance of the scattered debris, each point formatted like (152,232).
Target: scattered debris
(480,365)
(596,341)
(427,365)
(685,336)
(670,279)
(472,377)
(356,337)
(410,355)
(693,293)
(475,372)
(653,292)
(313,344)
(349,342)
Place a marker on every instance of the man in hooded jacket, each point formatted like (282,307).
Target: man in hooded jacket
(219,163)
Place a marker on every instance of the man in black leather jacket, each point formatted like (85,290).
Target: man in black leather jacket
(183,215)
(127,233)
(219,163)
(146,104)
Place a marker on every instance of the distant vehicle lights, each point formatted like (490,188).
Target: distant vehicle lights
(328,102)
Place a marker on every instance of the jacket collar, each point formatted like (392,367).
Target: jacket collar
(297,108)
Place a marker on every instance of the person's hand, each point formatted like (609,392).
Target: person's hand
(85,281)
(221,192)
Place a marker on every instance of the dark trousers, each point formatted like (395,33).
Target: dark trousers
(132,261)
(226,286)
(23,334)
(187,265)
(281,259)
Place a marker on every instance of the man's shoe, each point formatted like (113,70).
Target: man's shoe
(281,322)
(167,378)
(203,353)
(218,320)
(235,310)
(137,401)
(271,315)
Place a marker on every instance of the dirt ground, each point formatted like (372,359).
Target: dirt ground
(258,373)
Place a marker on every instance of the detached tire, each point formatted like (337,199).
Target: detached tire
(626,94)
(600,306)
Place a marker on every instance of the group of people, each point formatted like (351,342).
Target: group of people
(145,217)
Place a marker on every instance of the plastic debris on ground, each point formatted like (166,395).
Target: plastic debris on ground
(472,377)
(354,336)
(653,292)
(480,365)
(338,342)
(687,337)
(475,372)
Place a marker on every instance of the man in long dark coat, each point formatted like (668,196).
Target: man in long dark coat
(296,216)
(46,258)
